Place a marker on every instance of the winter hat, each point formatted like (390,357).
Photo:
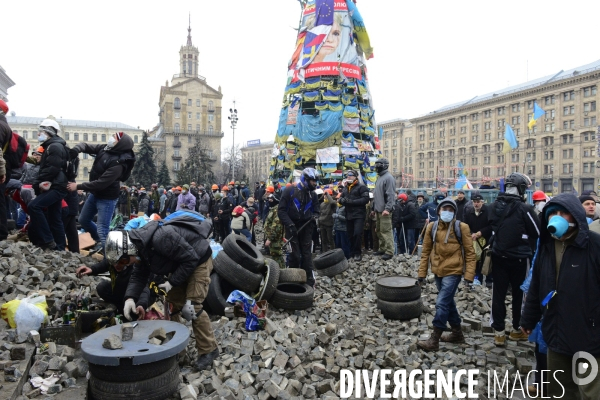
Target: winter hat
(584,198)
(476,195)
(3,107)
(186,186)
(461,191)
(250,201)
(554,207)
(119,135)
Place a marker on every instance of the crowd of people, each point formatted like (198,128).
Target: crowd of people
(543,254)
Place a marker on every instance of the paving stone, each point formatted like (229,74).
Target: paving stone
(112,342)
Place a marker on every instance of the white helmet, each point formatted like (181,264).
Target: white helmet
(50,123)
(118,246)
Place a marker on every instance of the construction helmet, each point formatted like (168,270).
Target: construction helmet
(518,180)
(538,195)
(50,126)
(118,247)
(215,187)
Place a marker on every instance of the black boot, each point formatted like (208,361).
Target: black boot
(205,361)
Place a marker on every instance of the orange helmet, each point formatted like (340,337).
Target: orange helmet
(232,183)
(225,188)
(178,188)
(538,195)
(329,191)
(270,189)
(215,187)
(288,184)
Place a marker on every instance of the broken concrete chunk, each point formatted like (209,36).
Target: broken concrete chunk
(126,332)
(112,342)
(158,333)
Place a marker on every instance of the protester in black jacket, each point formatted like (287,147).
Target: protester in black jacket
(5,137)
(477,218)
(179,250)
(460,201)
(565,291)
(516,229)
(355,198)
(46,228)
(421,200)
(113,160)
(113,291)
(69,218)
(405,220)
(297,207)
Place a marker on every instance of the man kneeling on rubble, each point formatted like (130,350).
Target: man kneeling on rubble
(113,291)
(178,250)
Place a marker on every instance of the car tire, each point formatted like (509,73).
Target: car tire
(329,258)
(293,296)
(292,275)
(402,311)
(160,387)
(126,372)
(218,291)
(335,269)
(244,253)
(397,289)
(239,277)
(271,280)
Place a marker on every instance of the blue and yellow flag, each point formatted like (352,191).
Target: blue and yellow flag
(510,140)
(537,114)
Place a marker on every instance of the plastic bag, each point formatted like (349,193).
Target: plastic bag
(255,319)
(215,247)
(8,312)
(30,314)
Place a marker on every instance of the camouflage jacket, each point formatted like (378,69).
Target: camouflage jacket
(273,226)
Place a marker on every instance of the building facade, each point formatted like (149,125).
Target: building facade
(74,132)
(5,84)
(190,109)
(394,144)
(257,161)
(559,153)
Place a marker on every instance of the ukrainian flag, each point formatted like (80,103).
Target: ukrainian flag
(510,140)
(537,114)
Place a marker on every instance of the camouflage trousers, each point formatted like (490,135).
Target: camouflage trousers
(276,252)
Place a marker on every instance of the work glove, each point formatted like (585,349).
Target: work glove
(129,308)
(335,215)
(188,312)
(73,153)
(166,286)
(422,282)
(342,200)
(468,285)
(293,230)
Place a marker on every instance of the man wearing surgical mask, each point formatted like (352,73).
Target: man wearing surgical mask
(515,230)
(112,162)
(564,291)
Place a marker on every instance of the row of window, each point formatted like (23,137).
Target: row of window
(177,129)
(548,100)
(177,104)
(211,117)
(85,137)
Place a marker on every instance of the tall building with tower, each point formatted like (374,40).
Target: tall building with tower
(189,109)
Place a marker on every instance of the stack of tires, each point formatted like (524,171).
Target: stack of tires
(399,297)
(241,266)
(331,263)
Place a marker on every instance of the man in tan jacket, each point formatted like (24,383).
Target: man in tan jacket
(451,255)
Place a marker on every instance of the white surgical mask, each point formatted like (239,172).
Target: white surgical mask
(42,137)
(447,216)
(111,142)
(539,206)
(512,190)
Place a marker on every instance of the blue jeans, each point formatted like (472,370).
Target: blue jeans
(342,242)
(104,208)
(21,219)
(445,306)
(410,240)
(47,227)
(244,232)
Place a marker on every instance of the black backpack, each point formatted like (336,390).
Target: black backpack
(128,161)
(72,167)
(16,151)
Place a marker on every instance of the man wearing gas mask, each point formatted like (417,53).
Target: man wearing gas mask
(564,291)
(515,230)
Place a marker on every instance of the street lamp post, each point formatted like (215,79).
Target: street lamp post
(233,117)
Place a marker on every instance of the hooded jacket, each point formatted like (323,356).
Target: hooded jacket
(173,248)
(339,223)
(143,203)
(203,203)
(186,201)
(572,317)
(108,167)
(517,237)
(327,207)
(53,165)
(446,256)
(384,195)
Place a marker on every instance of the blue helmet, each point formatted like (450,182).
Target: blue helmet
(309,174)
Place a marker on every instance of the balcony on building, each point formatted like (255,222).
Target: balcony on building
(175,76)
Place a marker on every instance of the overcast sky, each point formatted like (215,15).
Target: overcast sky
(107,60)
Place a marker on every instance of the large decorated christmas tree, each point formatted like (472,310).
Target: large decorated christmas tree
(327,117)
